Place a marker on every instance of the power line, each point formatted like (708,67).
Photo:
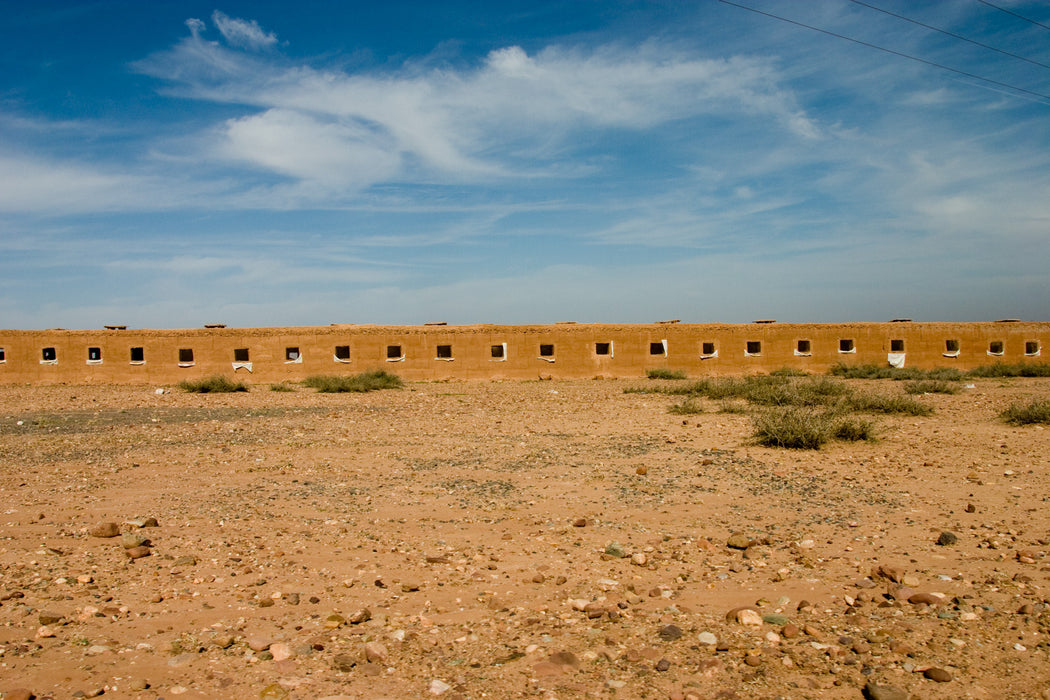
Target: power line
(955,36)
(1039,95)
(1011,12)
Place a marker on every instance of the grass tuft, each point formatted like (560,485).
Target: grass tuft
(663,373)
(1036,411)
(853,429)
(794,427)
(931,386)
(689,407)
(281,387)
(217,384)
(1022,369)
(946,374)
(358,383)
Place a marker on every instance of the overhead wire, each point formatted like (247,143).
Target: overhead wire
(974,76)
(951,34)
(1011,12)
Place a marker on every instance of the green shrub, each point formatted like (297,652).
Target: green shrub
(931,386)
(732,406)
(883,403)
(644,390)
(691,406)
(844,371)
(281,387)
(853,429)
(663,373)
(1036,411)
(217,384)
(788,372)
(1022,369)
(366,381)
(793,427)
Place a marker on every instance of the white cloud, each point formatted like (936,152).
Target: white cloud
(242,33)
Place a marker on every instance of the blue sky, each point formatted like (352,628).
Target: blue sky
(170,164)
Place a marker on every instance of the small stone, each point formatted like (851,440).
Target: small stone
(44,632)
(274,691)
(19,694)
(744,616)
(670,633)
(104,530)
(926,598)
(359,616)
(615,549)
(409,586)
(579,522)
(947,538)
(375,653)
(775,619)
(790,631)
(937,674)
(137,552)
(138,684)
(343,662)
(133,539)
(663,665)
(291,598)
(971,508)
(642,470)
(259,643)
(874,691)
(639,559)
(187,560)
(738,541)
(439,687)
(281,651)
(50,618)
(707,638)
(334,621)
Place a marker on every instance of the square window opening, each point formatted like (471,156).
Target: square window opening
(342,352)
(3,357)
(656,349)
(186,356)
(995,347)
(49,354)
(803,346)
(444,352)
(241,355)
(896,346)
(546,351)
(707,348)
(951,345)
(393,352)
(754,347)
(602,348)
(138,355)
(846,345)
(291,354)
(497,352)
(94,354)
(1031,347)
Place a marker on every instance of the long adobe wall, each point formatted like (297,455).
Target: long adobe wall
(438,352)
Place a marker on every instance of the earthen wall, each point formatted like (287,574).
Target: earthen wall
(439,352)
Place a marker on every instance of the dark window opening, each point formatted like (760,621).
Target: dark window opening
(846,345)
(995,347)
(546,351)
(138,355)
(291,354)
(241,355)
(754,347)
(896,346)
(1031,347)
(342,352)
(602,348)
(95,354)
(951,346)
(444,352)
(656,348)
(49,354)
(185,355)
(707,349)
(497,352)
(803,346)
(393,352)
(3,358)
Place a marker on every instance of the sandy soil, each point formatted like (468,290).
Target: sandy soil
(517,539)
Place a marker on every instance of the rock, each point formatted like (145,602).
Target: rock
(187,560)
(1026,556)
(639,559)
(376,653)
(50,618)
(579,522)
(274,691)
(947,538)
(343,662)
(142,522)
(104,530)
(138,684)
(775,619)
(334,621)
(926,598)
(937,674)
(615,549)
(874,691)
(707,638)
(19,694)
(790,631)
(137,552)
(258,643)
(409,586)
(359,616)
(642,470)
(564,658)
(281,651)
(738,541)
(663,665)
(133,539)
(44,632)
(744,616)
(670,633)
(291,598)
(438,687)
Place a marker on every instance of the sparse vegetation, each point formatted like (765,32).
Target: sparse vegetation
(217,384)
(1036,411)
(690,406)
(663,373)
(931,386)
(788,372)
(281,387)
(853,429)
(884,403)
(844,371)
(794,427)
(1022,369)
(358,383)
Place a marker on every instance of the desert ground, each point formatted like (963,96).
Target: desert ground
(546,539)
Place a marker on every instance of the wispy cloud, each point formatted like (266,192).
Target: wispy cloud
(242,33)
